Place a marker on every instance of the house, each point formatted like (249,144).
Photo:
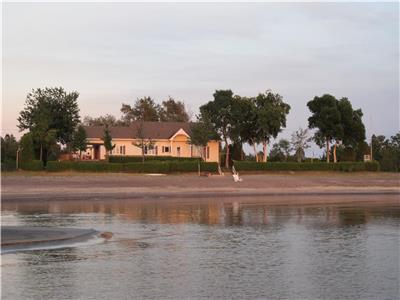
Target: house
(162,139)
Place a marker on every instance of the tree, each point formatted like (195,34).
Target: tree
(202,132)
(143,143)
(218,112)
(276,153)
(300,141)
(59,107)
(107,139)
(27,147)
(326,118)
(387,152)
(107,119)
(9,147)
(271,117)
(243,123)
(79,141)
(144,109)
(173,111)
(51,115)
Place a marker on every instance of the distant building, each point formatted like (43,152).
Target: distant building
(167,139)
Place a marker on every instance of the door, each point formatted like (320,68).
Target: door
(96,149)
(178,151)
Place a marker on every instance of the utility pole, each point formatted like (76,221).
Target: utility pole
(372,134)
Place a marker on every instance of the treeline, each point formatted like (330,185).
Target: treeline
(51,119)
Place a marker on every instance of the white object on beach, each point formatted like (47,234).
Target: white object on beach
(236,178)
(235,175)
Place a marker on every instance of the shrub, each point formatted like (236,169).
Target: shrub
(316,166)
(8,165)
(138,158)
(33,165)
(147,167)
(54,166)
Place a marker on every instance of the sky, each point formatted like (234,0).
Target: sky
(114,53)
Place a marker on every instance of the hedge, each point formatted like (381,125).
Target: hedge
(138,158)
(33,165)
(134,167)
(8,165)
(305,166)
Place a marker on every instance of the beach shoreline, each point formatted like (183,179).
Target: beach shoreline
(320,186)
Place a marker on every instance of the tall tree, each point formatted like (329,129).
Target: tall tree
(218,112)
(173,111)
(107,139)
(79,142)
(353,130)
(107,119)
(9,147)
(202,132)
(300,142)
(141,141)
(326,118)
(61,110)
(271,117)
(144,109)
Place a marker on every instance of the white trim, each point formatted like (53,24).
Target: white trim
(179,132)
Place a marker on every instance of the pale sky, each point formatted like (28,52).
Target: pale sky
(114,53)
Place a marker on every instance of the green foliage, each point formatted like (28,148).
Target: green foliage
(107,140)
(51,109)
(173,111)
(306,166)
(144,109)
(219,113)
(132,167)
(135,158)
(106,120)
(27,148)
(387,152)
(202,132)
(8,165)
(9,146)
(79,139)
(33,165)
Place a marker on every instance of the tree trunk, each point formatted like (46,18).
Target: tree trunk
(265,151)
(226,154)
(334,153)
(255,152)
(41,152)
(327,150)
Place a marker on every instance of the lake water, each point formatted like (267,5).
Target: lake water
(205,249)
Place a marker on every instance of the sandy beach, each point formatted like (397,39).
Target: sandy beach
(92,186)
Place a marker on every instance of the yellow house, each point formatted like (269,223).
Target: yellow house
(162,138)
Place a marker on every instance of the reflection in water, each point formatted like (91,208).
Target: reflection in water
(209,249)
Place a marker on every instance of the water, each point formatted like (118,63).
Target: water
(208,249)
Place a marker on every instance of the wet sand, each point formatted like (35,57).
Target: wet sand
(284,187)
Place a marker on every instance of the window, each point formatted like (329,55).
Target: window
(165,149)
(122,150)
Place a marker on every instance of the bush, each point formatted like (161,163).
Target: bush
(138,158)
(316,166)
(33,165)
(134,167)
(54,166)
(8,165)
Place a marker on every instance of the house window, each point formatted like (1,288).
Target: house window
(151,150)
(156,150)
(165,149)
(122,150)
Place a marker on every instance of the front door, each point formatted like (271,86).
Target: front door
(96,149)
(178,151)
